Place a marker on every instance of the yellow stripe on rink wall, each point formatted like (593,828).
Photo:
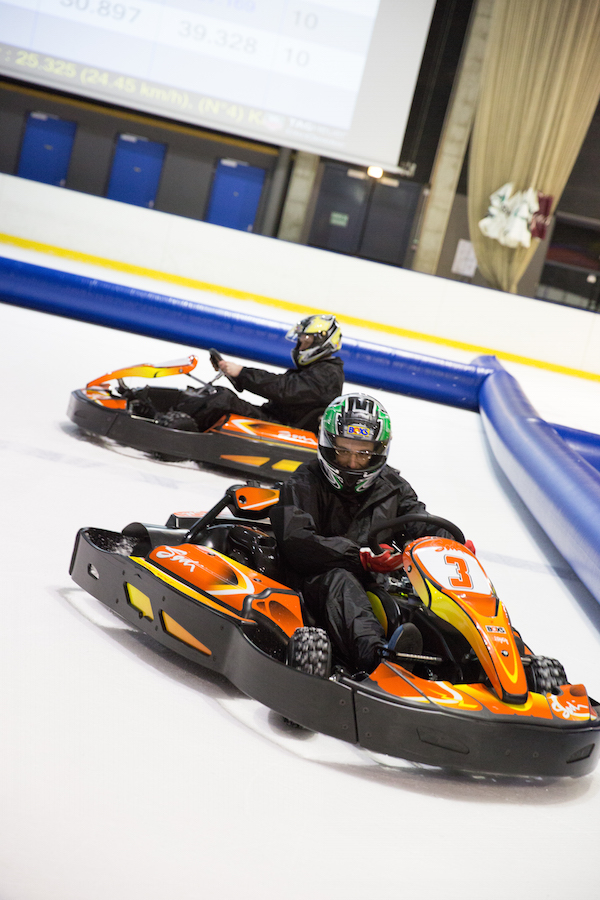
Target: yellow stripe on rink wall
(234,293)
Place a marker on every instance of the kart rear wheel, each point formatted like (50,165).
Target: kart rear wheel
(544,675)
(179,421)
(309,650)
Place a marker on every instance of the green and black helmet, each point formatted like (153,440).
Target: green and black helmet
(357,418)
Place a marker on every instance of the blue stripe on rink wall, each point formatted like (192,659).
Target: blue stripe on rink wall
(561,489)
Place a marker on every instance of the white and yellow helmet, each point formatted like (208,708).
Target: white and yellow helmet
(327,338)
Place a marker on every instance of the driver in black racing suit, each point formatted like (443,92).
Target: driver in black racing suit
(322,521)
(296,397)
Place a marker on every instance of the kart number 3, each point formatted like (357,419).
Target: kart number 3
(461,579)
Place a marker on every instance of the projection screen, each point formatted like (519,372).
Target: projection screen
(334,77)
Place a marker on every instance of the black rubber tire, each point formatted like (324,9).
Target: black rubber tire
(309,650)
(545,675)
(180,421)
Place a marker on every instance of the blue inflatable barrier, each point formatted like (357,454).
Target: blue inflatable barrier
(191,323)
(583,442)
(141,312)
(551,467)
(558,485)
(425,377)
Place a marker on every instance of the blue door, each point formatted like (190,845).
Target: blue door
(136,169)
(235,195)
(46,149)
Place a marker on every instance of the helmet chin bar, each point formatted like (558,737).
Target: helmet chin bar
(342,478)
(327,336)
(357,418)
(312,353)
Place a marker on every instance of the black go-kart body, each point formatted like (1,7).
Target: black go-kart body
(476,699)
(242,444)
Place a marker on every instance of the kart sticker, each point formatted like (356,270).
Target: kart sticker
(208,569)
(454,570)
(462,578)
(268,430)
(569,710)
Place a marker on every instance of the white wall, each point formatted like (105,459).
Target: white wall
(291,274)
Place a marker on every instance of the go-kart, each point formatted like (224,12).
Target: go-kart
(235,442)
(475,699)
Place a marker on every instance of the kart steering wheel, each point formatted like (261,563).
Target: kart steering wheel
(215,358)
(414,517)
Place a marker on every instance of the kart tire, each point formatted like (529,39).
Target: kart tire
(180,421)
(545,675)
(309,650)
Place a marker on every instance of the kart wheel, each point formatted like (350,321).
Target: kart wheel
(176,419)
(545,675)
(180,421)
(309,650)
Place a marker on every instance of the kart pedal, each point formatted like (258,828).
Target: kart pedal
(415,657)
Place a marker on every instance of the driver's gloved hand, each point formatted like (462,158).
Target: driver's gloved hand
(388,560)
(470,546)
(126,392)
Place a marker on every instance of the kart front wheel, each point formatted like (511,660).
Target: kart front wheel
(544,675)
(309,650)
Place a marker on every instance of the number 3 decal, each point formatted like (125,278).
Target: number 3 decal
(463,579)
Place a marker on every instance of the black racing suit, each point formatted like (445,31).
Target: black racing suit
(319,532)
(296,397)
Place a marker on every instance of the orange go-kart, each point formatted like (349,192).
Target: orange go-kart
(235,442)
(476,698)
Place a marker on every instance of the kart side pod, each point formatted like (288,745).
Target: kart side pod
(229,586)
(450,580)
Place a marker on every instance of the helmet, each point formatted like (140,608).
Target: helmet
(327,338)
(357,417)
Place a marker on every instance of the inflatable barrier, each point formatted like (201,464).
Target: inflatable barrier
(195,325)
(558,485)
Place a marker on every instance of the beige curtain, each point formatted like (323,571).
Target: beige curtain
(540,87)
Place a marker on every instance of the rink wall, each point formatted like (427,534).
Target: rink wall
(561,489)
(72,227)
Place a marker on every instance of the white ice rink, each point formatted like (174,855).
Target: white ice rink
(129,773)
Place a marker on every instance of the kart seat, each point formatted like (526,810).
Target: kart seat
(247,544)
(255,548)
(386,609)
(216,537)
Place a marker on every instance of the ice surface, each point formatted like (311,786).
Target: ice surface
(130,773)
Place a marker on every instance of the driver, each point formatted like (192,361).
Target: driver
(322,521)
(296,397)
